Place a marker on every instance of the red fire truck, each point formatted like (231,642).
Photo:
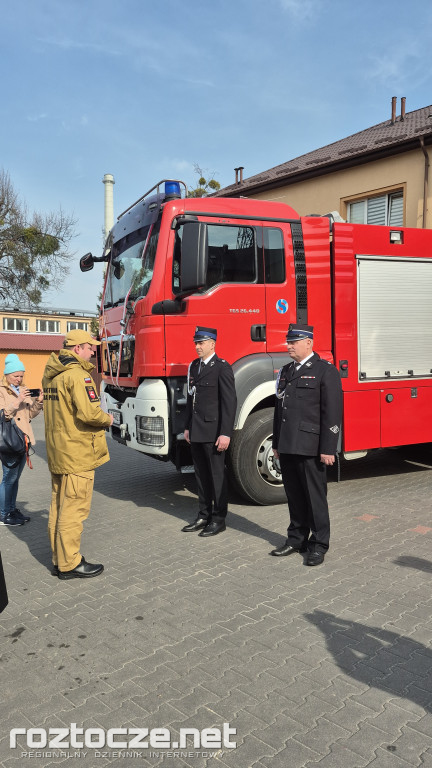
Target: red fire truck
(249,268)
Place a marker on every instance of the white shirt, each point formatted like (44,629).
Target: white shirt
(207,360)
(204,362)
(299,365)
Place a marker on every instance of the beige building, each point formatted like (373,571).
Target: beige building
(52,321)
(34,334)
(377,176)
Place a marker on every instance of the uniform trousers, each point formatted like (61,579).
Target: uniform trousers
(70,505)
(305,483)
(211,480)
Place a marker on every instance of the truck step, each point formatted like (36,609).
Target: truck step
(187,470)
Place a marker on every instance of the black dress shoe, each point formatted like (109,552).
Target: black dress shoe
(213,528)
(315,558)
(55,570)
(82,571)
(286,549)
(199,523)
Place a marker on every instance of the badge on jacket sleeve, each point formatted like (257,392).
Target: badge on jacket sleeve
(91,394)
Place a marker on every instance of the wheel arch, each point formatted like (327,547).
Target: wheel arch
(255,377)
(261,397)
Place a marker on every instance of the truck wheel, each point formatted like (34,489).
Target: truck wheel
(251,461)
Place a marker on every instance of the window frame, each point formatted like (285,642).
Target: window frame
(258,269)
(15,320)
(77,324)
(267,250)
(388,193)
(47,320)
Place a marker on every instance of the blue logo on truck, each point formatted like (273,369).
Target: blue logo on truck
(282,306)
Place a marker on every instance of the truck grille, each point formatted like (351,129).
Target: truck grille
(150,430)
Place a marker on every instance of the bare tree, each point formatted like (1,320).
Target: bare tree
(34,248)
(205,186)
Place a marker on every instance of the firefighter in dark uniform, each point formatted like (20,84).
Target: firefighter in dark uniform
(210,412)
(306,428)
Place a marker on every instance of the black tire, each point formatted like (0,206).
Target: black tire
(250,461)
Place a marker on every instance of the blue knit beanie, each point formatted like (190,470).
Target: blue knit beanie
(13,364)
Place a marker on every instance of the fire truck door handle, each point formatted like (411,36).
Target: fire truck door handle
(258,332)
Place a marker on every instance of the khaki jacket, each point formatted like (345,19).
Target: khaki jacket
(74,421)
(22,412)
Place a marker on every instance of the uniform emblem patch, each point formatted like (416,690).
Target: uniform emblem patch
(334,429)
(91,394)
(87,380)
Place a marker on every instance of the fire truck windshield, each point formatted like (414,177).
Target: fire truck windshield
(131,267)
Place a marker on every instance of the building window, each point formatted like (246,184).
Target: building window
(385,209)
(73,325)
(15,324)
(48,326)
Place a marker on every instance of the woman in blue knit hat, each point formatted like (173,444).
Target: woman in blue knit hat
(17,403)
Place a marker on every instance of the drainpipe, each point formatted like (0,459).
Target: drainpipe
(426,180)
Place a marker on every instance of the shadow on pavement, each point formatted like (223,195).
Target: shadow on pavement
(130,477)
(146,482)
(378,658)
(384,462)
(419,563)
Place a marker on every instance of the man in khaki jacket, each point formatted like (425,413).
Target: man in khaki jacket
(75,440)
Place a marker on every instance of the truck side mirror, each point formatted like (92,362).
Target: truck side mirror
(119,269)
(86,262)
(194,256)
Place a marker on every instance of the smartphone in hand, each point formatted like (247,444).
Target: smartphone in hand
(34,392)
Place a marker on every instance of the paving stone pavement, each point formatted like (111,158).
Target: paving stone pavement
(327,666)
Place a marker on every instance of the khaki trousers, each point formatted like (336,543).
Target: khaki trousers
(70,506)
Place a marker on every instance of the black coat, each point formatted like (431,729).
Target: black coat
(307,419)
(210,412)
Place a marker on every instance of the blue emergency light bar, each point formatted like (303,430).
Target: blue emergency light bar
(172,189)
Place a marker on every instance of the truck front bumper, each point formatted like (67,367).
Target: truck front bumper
(141,422)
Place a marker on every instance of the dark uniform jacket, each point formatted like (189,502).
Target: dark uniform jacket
(307,419)
(210,410)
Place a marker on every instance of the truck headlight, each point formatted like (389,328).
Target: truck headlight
(150,430)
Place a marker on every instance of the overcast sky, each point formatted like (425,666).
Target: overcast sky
(144,89)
